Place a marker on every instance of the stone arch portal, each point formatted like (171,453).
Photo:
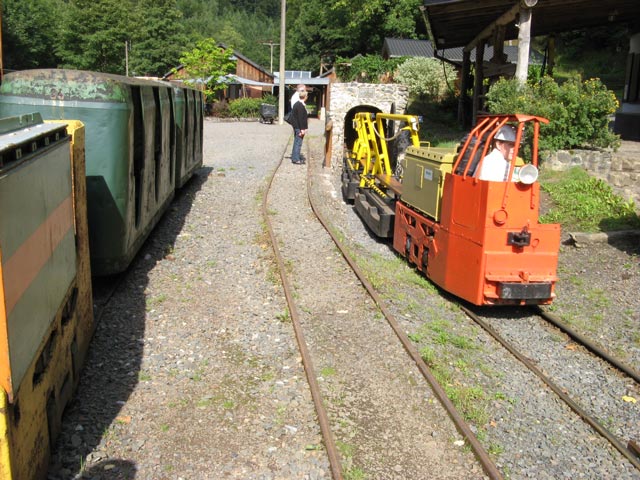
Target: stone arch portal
(349,98)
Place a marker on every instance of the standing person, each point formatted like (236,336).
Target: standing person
(495,166)
(296,95)
(299,122)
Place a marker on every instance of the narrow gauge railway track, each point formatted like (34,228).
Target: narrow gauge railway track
(307,360)
(589,345)
(331,444)
(627,449)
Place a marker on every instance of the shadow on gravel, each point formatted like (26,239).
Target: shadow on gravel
(113,366)
(628,242)
(111,470)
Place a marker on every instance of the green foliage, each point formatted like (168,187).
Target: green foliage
(29,31)
(333,28)
(245,107)
(578,111)
(209,63)
(595,52)
(270,99)
(158,39)
(380,18)
(92,34)
(366,68)
(440,126)
(426,77)
(312,32)
(241,25)
(581,202)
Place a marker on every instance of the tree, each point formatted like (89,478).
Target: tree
(199,18)
(243,30)
(315,32)
(346,28)
(381,18)
(246,32)
(159,39)
(93,33)
(29,30)
(207,63)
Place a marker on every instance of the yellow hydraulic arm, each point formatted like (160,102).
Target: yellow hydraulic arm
(370,155)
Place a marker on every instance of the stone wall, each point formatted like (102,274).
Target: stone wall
(347,96)
(619,169)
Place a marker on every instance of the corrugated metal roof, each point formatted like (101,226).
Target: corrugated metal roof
(294,80)
(399,47)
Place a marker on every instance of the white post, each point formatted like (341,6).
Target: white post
(524,40)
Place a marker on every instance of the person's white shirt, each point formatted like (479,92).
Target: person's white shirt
(295,98)
(494,167)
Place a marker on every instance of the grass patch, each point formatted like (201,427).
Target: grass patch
(580,202)
(157,300)
(355,473)
(384,272)
(284,317)
(350,471)
(327,371)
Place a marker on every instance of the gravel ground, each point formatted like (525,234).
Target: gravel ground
(194,371)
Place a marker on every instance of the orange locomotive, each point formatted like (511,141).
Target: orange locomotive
(477,239)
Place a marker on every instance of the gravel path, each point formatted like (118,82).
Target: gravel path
(386,420)
(194,371)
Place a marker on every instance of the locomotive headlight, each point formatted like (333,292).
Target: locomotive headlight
(528,174)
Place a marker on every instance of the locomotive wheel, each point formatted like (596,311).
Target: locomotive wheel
(425,259)
(407,249)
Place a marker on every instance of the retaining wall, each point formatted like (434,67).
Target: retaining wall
(619,169)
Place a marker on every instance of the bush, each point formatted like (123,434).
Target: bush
(219,109)
(270,99)
(426,77)
(366,68)
(578,112)
(245,107)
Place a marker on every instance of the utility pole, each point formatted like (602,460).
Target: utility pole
(281,82)
(271,44)
(126,58)
(1,63)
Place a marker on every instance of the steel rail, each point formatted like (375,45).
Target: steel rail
(588,344)
(307,361)
(556,389)
(461,425)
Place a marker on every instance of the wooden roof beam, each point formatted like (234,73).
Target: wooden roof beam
(502,20)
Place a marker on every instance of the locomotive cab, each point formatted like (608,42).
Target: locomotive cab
(479,239)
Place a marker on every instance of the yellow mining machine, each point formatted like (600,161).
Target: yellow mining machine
(369,178)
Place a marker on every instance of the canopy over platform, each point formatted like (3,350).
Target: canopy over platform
(457,23)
